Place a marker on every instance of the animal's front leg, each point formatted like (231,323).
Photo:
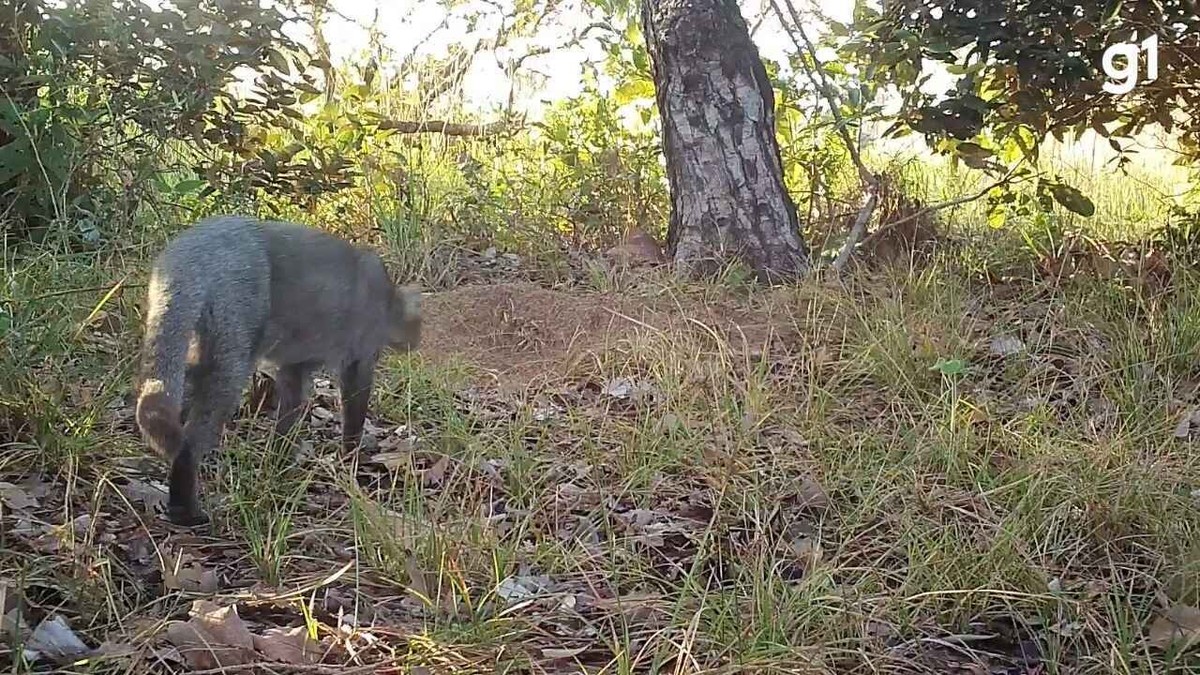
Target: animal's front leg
(357,379)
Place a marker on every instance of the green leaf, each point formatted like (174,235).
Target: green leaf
(1073,200)
(15,159)
(186,186)
(996,218)
(278,61)
(1111,10)
(634,90)
(950,367)
(970,149)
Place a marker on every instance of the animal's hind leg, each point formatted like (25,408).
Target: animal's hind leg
(194,372)
(216,392)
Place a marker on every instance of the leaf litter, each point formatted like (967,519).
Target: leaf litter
(664,526)
(216,636)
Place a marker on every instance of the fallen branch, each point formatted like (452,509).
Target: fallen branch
(441,127)
(860,224)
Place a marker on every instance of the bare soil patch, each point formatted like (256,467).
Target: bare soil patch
(521,333)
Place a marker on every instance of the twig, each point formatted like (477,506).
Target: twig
(1007,179)
(821,82)
(860,224)
(817,75)
(441,127)
(292,668)
(856,232)
(72,291)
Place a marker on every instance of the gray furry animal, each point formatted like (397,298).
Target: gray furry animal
(232,294)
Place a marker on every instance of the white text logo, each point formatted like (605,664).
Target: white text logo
(1126,75)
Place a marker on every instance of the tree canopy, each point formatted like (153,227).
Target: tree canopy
(1031,68)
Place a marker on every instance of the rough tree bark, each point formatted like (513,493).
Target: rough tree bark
(728,200)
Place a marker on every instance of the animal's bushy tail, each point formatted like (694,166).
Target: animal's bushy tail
(172,313)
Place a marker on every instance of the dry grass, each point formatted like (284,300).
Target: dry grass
(679,480)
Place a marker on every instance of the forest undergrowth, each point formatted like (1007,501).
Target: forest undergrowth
(924,469)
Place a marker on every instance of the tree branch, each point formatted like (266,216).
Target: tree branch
(860,224)
(856,232)
(821,81)
(441,127)
(957,201)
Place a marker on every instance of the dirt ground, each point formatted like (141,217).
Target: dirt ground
(520,334)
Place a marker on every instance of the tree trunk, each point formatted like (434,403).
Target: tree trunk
(728,200)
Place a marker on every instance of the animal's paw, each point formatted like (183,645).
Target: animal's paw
(187,517)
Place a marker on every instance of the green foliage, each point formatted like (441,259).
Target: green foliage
(580,177)
(1028,66)
(101,95)
(607,173)
(1027,70)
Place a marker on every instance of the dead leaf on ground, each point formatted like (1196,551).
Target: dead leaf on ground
(670,422)
(1179,627)
(637,607)
(618,388)
(547,411)
(558,653)
(811,495)
(808,551)
(1006,345)
(522,587)
(321,415)
(569,496)
(370,435)
(186,574)
(1183,429)
(16,497)
(392,461)
(152,496)
(116,650)
(396,443)
(215,637)
(625,388)
(288,645)
(785,438)
(435,474)
(53,638)
(324,389)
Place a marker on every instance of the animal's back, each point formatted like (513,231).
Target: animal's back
(219,263)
